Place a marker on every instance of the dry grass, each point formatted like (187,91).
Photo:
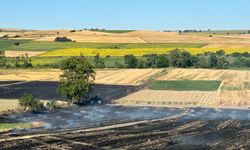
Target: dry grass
(29,75)
(170,98)
(8,105)
(232,41)
(125,76)
(114,77)
(95,37)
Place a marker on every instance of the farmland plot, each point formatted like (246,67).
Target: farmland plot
(29,75)
(170,98)
(20,53)
(109,77)
(232,92)
(125,76)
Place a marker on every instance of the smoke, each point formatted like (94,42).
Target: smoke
(94,116)
(219,114)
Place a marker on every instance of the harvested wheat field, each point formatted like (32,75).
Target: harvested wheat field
(109,77)
(232,92)
(86,36)
(95,37)
(29,75)
(233,41)
(20,53)
(125,76)
(170,98)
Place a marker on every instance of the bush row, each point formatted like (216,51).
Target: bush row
(183,59)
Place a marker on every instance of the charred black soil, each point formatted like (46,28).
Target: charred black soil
(116,127)
(47,90)
(164,129)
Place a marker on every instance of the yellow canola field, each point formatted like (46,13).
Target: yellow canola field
(134,51)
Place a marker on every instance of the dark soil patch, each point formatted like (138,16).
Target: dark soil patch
(47,90)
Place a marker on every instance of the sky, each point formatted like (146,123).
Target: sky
(126,14)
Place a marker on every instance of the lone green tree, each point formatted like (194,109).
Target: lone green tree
(77,79)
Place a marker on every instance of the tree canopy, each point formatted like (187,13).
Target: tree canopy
(77,79)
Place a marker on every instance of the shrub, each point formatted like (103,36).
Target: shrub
(52,105)
(99,62)
(27,62)
(2,59)
(30,103)
(162,61)
(151,60)
(16,36)
(16,43)
(118,64)
(62,39)
(5,36)
(130,61)
(141,64)
(2,62)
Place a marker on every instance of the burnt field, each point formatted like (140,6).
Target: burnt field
(113,127)
(117,127)
(47,90)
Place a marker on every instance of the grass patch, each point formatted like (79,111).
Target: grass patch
(232,88)
(5,44)
(48,46)
(10,126)
(185,85)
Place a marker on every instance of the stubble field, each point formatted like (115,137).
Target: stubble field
(106,76)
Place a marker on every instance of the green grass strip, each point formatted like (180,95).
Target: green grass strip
(10,126)
(185,85)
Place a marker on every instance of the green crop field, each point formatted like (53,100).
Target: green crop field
(5,44)
(48,62)
(48,46)
(185,85)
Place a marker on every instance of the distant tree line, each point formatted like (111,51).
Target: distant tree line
(176,58)
(186,31)
(184,59)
